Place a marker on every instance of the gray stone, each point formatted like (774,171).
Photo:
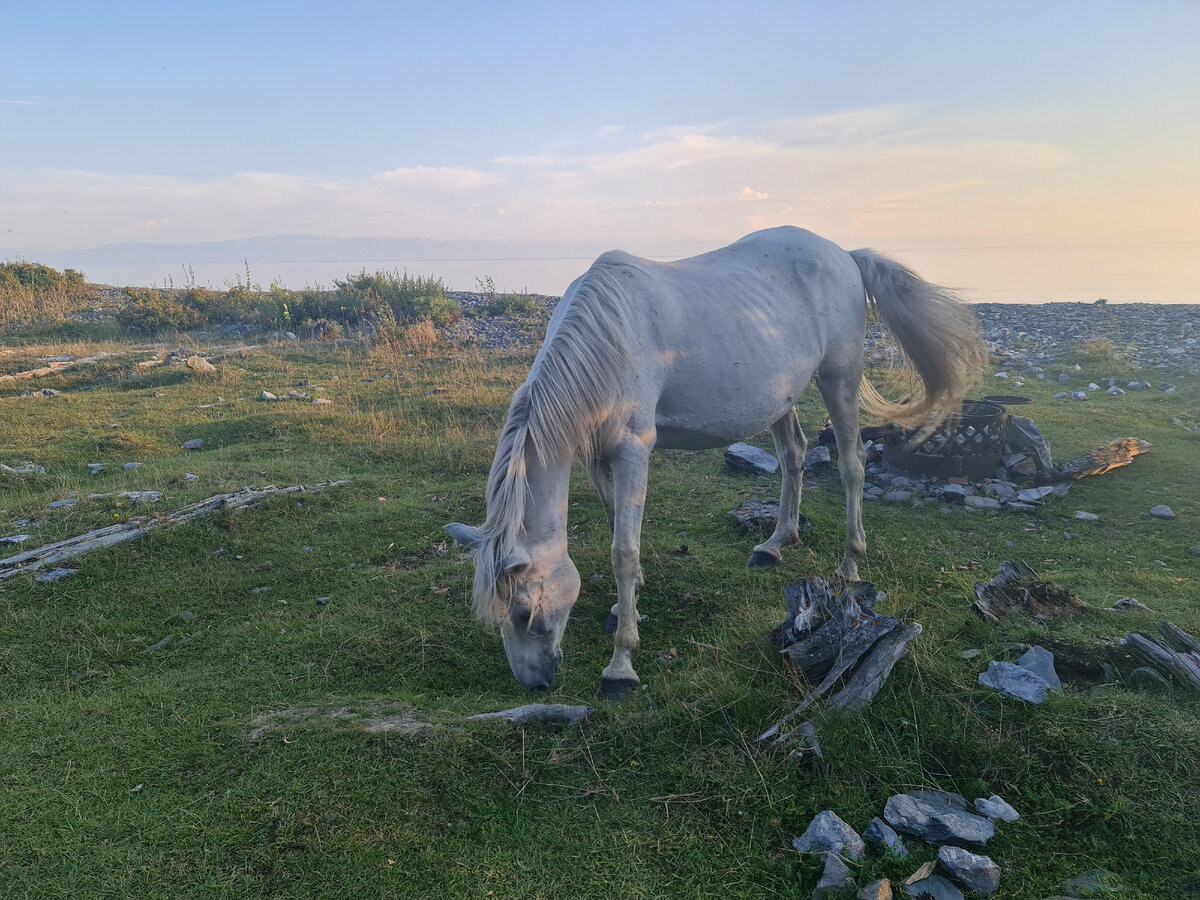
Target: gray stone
(1093,386)
(1093,883)
(1040,662)
(1138,385)
(190,477)
(1059,396)
(940,799)
(757,516)
(267,395)
(1147,679)
(538,712)
(1194,551)
(897,496)
(828,832)
(27,468)
(1079,395)
(130,466)
(936,824)
(56,575)
(1115,391)
(15,539)
(1130,603)
(66,503)
(954,492)
(289,335)
(835,879)
(969,655)
(972,871)
(995,807)
(1033,494)
(981,502)
(1064,378)
(1162,511)
(1013,681)
(817,458)
(904,483)
(194,444)
(1001,490)
(1086,516)
(95,468)
(883,837)
(1025,437)
(746,458)
(934,887)
(876,890)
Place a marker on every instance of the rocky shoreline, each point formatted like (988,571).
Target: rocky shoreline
(1029,338)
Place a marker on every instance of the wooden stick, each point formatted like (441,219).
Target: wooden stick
(135,527)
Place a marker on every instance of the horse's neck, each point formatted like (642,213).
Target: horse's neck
(546,508)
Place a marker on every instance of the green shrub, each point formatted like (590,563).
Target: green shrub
(150,310)
(511,305)
(411,297)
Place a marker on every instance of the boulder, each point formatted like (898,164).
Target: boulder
(200,364)
(817,458)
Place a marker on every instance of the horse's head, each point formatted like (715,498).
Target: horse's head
(528,591)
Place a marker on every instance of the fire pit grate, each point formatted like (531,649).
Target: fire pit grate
(970,445)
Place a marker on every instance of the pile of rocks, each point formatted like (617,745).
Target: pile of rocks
(940,819)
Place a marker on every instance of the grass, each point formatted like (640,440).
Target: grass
(127,770)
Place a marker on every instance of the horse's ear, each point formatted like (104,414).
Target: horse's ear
(464,535)
(517,562)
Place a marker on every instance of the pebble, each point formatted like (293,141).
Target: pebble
(1079,395)
(1086,516)
(95,468)
(995,807)
(194,444)
(56,575)
(1162,511)
(897,496)
(15,539)
(130,466)
(1194,551)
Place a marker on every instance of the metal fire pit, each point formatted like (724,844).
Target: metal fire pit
(970,445)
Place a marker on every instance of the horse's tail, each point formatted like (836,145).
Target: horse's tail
(938,336)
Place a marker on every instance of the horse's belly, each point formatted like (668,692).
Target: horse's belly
(709,426)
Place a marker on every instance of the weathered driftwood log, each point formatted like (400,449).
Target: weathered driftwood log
(1176,656)
(539,712)
(841,640)
(136,526)
(1111,456)
(1018,588)
(54,368)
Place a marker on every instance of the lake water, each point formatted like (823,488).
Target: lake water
(1150,273)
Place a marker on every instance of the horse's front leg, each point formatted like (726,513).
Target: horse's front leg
(630,467)
(790,445)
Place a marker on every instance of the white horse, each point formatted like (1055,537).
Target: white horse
(691,355)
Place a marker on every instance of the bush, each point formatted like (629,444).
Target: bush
(150,310)
(410,297)
(511,305)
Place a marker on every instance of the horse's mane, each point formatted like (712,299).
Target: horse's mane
(562,409)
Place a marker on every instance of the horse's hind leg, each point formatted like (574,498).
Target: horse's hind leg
(839,387)
(790,445)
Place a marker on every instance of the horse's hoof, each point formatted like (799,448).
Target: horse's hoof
(761,559)
(616,688)
(610,624)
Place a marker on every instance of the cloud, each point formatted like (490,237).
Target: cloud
(901,173)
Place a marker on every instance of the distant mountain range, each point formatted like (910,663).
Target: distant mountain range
(311,249)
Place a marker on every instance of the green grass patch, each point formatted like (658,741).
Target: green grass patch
(131,767)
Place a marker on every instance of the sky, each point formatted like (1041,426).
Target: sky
(1014,150)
